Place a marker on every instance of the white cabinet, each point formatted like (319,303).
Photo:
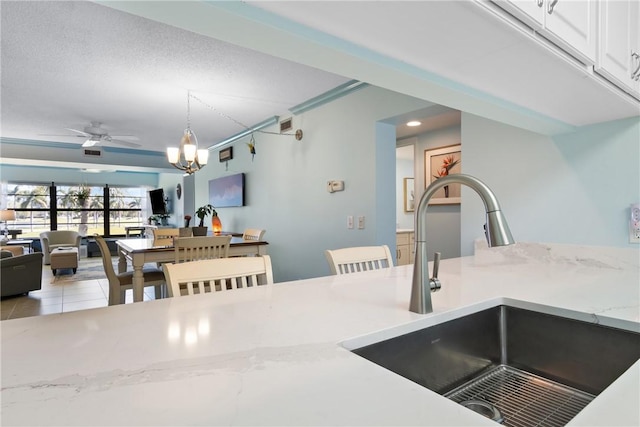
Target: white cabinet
(571,24)
(619,43)
(405,247)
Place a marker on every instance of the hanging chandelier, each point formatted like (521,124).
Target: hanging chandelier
(188,157)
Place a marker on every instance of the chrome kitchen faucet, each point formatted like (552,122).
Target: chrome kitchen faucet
(496,231)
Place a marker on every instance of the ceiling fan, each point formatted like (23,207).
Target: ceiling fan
(95,134)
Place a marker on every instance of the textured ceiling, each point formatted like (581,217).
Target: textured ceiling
(66,64)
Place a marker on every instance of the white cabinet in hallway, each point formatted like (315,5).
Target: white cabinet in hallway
(405,247)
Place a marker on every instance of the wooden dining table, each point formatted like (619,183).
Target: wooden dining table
(138,252)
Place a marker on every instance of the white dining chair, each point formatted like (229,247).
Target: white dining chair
(120,282)
(355,259)
(201,247)
(217,275)
(254,234)
(164,236)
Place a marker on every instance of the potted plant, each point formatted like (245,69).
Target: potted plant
(164,219)
(201,213)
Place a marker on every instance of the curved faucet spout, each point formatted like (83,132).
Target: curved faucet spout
(496,231)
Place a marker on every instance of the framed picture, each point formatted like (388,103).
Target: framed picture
(225,154)
(441,162)
(409,199)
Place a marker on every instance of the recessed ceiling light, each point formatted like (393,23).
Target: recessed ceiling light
(414,123)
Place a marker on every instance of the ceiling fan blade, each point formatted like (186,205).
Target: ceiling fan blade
(125,143)
(65,136)
(125,137)
(81,132)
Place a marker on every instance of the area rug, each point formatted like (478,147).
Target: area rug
(88,269)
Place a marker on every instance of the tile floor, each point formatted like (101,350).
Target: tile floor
(58,296)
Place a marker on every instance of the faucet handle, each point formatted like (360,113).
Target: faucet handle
(436,264)
(434,282)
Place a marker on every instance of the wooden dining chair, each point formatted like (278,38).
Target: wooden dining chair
(254,234)
(164,236)
(355,259)
(201,247)
(120,282)
(217,275)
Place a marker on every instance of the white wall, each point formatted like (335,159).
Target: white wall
(443,221)
(404,169)
(574,188)
(169,182)
(286,182)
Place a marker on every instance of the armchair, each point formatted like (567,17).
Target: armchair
(20,274)
(15,250)
(56,239)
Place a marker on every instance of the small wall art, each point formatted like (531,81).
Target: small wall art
(439,163)
(409,198)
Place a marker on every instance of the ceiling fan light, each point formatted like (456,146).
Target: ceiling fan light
(90,142)
(203,156)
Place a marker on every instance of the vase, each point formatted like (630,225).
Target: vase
(216,224)
(446,191)
(199,231)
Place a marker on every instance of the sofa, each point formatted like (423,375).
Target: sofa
(51,240)
(20,274)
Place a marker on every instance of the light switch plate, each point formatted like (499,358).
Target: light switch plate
(634,224)
(361,222)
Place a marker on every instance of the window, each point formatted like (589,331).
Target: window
(103,210)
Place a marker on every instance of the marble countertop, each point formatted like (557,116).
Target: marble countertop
(274,355)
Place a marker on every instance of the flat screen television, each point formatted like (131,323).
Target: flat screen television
(227,191)
(158,206)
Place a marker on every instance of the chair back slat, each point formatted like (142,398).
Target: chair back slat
(357,259)
(217,275)
(164,236)
(202,247)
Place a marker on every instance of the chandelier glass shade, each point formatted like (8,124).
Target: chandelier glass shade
(188,157)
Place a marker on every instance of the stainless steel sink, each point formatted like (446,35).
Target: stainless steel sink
(517,366)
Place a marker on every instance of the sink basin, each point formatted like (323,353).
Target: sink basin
(518,366)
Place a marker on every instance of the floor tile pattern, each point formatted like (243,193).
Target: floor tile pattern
(61,296)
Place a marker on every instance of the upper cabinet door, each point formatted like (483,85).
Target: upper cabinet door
(529,11)
(619,53)
(570,24)
(574,22)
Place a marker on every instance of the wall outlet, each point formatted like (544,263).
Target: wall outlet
(634,224)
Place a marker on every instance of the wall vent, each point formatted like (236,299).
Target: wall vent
(286,125)
(92,152)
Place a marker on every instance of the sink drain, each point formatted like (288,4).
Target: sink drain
(483,408)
